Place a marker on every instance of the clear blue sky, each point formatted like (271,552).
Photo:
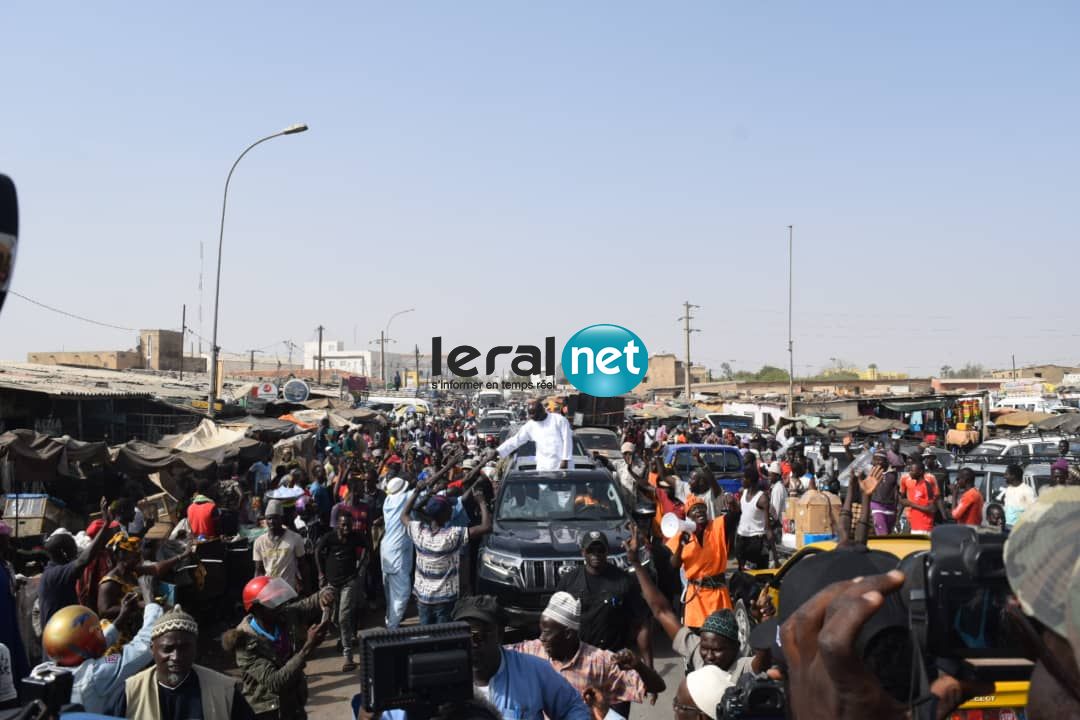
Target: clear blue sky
(515,170)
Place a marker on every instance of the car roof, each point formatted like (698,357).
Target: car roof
(586,474)
(700,446)
(595,430)
(899,545)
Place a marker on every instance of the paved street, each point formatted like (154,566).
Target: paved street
(331,690)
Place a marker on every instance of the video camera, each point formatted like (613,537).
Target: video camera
(956,595)
(753,697)
(46,697)
(417,668)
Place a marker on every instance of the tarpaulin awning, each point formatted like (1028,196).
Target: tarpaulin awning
(211,441)
(143,458)
(868,425)
(1065,422)
(325,403)
(33,445)
(274,428)
(915,405)
(1020,419)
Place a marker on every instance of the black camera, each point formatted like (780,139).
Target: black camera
(753,697)
(956,595)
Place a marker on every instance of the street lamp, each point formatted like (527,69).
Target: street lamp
(383,339)
(291,130)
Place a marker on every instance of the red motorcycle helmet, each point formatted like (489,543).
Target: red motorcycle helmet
(268,592)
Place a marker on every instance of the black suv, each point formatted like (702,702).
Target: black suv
(538,522)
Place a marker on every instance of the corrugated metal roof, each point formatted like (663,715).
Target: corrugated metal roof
(61,381)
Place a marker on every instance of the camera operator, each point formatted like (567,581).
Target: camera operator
(829,679)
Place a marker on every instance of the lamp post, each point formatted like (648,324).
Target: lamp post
(384,337)
(214,349)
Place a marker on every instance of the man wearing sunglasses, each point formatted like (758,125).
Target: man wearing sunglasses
(827,678)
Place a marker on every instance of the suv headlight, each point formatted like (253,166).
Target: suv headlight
(500,568)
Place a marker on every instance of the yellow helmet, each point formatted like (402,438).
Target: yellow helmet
(72,635)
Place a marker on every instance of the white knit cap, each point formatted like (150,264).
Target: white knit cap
(706,686)
(564,609)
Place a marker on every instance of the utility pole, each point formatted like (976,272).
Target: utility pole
(686,318)
(318,362)
(183,331)
(292,346)
(252,353)
(417,351)
(382,357)
(790,344)
(1014,366)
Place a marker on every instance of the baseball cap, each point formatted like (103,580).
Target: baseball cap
(484,608)
(593,537)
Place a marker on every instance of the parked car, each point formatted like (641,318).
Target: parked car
(724,460)
(602,440)
(497,425)
(537,525)
(1023,448)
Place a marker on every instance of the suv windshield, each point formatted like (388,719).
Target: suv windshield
(717,460)
(593,499)
(492,424)
(599,441)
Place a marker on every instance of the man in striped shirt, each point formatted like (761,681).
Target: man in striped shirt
(622,677)
(438,554)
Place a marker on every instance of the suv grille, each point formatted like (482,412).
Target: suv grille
(545,574)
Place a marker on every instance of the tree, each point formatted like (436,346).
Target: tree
(946,371)
(873,366)
(970,370)
(768,373)
(725,369)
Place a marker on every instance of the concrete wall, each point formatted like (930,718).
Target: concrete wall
(161,349)
(106,359)
(1052,374)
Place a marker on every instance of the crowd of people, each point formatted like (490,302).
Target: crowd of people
(389,515)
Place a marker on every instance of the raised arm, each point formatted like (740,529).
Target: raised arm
(512,443)
(485,518)
(658,604)
(83,559)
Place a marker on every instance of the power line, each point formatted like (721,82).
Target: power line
(71,315)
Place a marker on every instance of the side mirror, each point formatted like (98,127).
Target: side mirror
(9,233)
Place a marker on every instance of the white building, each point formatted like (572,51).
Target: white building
(361,362)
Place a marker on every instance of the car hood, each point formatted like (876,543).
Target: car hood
(556,539)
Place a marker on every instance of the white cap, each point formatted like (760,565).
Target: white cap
(395,486)
(706,686)
(564,609)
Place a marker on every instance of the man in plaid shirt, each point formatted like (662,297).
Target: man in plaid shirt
(621,677)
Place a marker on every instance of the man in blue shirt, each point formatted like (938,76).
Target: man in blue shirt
(519,686)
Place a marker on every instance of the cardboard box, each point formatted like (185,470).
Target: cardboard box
(816,513)
(159,509)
